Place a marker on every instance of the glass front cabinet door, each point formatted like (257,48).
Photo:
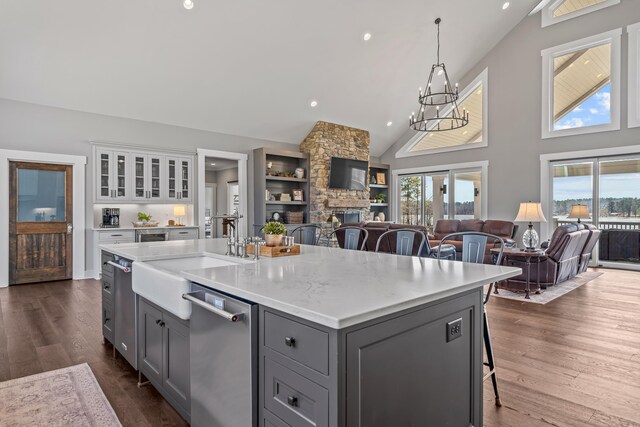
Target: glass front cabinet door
(179,179)
(147,177)
(112,175)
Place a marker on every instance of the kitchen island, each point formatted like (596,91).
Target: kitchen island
(350,338)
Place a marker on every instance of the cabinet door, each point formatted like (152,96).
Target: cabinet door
(121,175)
(104,175)
(185,188)
(150,341)
(176,379)
(154,178)
(172,178)
(140,167)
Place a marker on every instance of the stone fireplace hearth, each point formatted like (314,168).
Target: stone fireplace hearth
(327,140)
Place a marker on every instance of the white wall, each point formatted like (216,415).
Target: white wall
(515,100)
(31,127)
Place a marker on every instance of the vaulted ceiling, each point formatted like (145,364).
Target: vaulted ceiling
(246,67)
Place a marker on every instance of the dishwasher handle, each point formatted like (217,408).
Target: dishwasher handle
(231,317)
(116,265)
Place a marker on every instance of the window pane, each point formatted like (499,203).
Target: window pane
(467,195)
(582,88)
(572,185)
(570,6)
(41,195)
(469,134)
(410,200)
(436,199)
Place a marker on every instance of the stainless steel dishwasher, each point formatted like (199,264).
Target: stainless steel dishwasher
(224,359)
(126,312)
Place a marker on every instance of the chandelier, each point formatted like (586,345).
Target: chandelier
(450,118)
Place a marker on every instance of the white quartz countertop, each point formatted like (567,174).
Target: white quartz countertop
(334,287)
(168,227)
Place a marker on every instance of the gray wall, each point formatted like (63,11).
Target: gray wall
(32,127)
(515,100)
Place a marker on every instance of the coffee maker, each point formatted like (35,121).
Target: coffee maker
(110,218)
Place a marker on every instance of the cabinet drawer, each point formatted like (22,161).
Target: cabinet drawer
(107,288)
(270,420)
(293,398)
(107,321)
(302,343)
(107,270)
(189,234)
(116,235)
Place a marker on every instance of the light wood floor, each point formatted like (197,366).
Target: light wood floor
(572,362)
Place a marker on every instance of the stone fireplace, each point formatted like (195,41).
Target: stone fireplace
(327,140)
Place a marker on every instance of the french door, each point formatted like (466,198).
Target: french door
(40,222)
(426,198)
(610,188)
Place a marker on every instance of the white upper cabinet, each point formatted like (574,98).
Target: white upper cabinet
(179,179)
(142,177)
(148,172)
(112,175)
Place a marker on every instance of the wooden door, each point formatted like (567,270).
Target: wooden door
(40,222)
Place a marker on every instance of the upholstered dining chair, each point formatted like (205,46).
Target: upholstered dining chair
(351,237)
(475,244)
(307,234)
(404,239)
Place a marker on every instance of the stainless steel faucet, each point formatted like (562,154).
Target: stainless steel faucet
(257,242)
(231,246)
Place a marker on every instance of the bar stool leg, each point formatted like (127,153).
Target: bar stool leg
(491,364)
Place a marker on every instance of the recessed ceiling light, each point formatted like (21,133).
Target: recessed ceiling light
(367,37)
(599,75)
(479,92)
(188,4)
(505,5)
(587,61)
(213,164)
(389,124)
(314,103)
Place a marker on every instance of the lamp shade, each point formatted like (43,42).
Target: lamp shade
(579,212)
(179,211)
(530,212)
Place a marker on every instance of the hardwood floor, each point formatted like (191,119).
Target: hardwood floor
(572,362)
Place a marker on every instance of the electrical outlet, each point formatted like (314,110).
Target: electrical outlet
(454,329)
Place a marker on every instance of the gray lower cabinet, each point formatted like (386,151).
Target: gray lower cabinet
(108,319)
(401,370)
(163,354)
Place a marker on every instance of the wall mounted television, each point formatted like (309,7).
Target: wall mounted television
(348,174)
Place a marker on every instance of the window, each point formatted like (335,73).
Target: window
(581,86)
(427,196)
(473,98)
(634,75)
(561,10)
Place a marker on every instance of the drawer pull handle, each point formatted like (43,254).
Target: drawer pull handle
(106,287)
(292,401)
(289,341)
(116,235)
(106,319)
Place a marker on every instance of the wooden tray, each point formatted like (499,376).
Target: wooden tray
(276,251)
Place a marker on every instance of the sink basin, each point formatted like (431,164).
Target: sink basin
(160,281)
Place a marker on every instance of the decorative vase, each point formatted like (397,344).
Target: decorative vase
(381,216)
(273,239)
(299,173)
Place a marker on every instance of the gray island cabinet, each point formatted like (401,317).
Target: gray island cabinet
(401,370)
(344,338)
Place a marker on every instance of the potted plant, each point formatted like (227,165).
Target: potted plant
(143,217)
(380,198)
(273,233)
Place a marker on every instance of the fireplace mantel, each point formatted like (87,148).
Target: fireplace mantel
(348,203)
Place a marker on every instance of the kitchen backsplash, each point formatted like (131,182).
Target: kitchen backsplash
(129,213)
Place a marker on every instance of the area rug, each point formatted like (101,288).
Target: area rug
(551,293)
(64,397)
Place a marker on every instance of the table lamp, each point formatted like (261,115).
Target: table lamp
(530,212)
(579,211)
(179,211)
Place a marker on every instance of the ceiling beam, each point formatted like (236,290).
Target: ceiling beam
(581,99)
(569,61)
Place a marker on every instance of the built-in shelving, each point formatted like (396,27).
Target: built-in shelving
(375,188)
(267,183)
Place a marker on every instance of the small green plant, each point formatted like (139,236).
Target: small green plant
(274,227)
(144,217)
(381,198)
